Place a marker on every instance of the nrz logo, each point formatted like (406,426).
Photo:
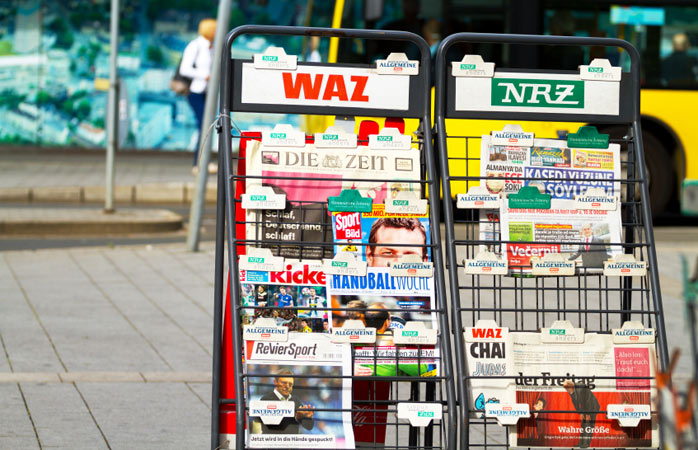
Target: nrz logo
(537,93)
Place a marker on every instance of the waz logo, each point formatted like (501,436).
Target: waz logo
(537,93)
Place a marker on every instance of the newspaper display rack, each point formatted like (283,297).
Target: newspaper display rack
(554,285)
(305,284)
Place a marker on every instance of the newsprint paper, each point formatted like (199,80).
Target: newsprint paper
(584,236)
(274,387)
(560,376)
(406,299)
(322,173)
(300,285)
(565,173)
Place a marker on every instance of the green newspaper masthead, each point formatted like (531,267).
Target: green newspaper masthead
(538,93)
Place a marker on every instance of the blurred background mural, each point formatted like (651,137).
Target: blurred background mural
(54,67)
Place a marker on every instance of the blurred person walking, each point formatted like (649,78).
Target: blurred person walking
(679,68)
(196,64)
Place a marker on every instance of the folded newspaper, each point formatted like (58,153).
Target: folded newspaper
(579,379)
(565,174)
(296,394)
(587,237)
(308,176)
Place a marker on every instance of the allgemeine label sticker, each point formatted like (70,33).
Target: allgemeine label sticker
(507,413)
(354,332)
(486,263)
(478,197)
(272,412)
(265,329)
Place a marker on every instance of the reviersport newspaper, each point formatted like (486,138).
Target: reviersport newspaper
(301,381)
(323,173)
(576,377)
(565,173)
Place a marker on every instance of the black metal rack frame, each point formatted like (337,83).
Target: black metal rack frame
(439,389)
(588,300)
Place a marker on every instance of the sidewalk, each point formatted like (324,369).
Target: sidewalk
(106,348)
(46,175)
(111,347)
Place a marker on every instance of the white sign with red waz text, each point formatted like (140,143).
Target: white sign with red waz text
(325,86)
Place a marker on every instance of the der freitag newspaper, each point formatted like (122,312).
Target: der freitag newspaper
(563,376)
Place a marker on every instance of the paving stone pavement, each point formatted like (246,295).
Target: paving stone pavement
(106,348)
(111,347)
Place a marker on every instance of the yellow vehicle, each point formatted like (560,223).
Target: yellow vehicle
(665,33)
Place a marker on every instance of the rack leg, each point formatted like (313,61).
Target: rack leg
(218,310)
(694,354)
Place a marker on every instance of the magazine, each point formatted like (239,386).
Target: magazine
(320,173)
(588,237)
(387,303)
(568,172)
(301,285)
(356,231)
(301,381)
(516,367)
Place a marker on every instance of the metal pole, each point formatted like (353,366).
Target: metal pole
(199,198)
(112,108)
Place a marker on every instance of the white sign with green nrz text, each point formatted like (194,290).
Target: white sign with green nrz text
(537,93)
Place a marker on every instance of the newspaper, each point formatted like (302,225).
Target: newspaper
(323,173)
(300,285)
(539,374)
(316,409)
(354,232)
(568,172)
(584,236)
(405,299)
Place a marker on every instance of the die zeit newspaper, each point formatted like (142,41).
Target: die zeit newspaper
(565,172)
(519,368)
(300,380)
(324,173)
